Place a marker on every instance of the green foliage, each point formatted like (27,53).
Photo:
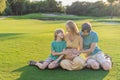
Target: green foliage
(19,7)
(2,5)
(98,8)
(112,7)
(111,1)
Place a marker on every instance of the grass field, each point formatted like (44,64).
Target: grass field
(24,39)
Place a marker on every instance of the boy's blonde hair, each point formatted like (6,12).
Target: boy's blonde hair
(57,31)
(73,27)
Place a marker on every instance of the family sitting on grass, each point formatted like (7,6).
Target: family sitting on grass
(66,49)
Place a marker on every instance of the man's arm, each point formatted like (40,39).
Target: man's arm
(91,49)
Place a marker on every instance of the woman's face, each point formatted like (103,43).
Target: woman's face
(68,28)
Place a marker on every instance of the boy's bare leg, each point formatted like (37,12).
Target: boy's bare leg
(42,65)
(55,63)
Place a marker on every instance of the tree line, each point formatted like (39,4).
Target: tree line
(99,8)
(20,7)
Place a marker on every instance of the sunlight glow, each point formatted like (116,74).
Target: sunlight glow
(69,2)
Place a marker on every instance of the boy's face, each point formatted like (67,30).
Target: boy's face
(85,33)
(61,35)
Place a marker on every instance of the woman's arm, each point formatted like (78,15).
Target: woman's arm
(81,43)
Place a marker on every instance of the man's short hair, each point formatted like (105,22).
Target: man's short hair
(86,26)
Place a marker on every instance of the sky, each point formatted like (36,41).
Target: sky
(69,2)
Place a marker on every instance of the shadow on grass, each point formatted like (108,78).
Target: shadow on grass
(7,36)
(33,73)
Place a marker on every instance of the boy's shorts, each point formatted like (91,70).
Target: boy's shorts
(49,60)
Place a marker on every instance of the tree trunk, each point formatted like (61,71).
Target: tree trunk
(112,10)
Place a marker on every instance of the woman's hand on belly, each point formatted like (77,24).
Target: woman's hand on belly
(76,52)
(70,54)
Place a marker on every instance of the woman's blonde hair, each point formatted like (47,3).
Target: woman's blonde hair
(73,27)
(57,31)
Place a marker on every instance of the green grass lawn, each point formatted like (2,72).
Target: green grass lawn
(22,40)
(52,16)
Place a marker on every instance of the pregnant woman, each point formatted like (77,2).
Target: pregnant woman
(74,43)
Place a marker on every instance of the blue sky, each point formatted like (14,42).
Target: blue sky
(68,2)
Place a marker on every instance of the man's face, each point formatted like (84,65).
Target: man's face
(85,33)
